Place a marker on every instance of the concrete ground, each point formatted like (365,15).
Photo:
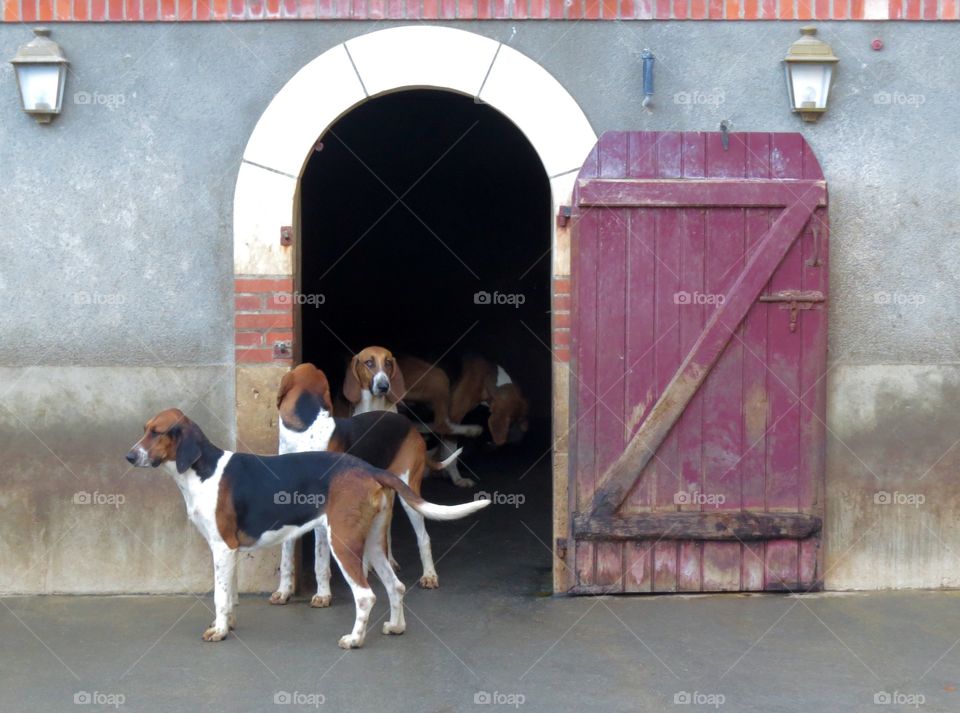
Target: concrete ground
(490,633)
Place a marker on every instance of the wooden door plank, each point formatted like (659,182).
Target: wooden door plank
(783,386)
(638,561)
(668,475)
(618,479)
(690,566)
(583,381)
(665,554)
(722,393)
(640,325)
(692,320)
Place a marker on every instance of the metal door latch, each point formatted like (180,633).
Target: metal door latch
(795,300)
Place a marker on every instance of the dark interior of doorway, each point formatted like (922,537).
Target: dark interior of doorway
(411,205)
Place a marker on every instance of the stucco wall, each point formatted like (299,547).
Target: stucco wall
(116,278)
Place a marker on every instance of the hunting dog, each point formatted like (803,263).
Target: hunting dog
(373,381)
(385,440)
(242,501)
(481,381)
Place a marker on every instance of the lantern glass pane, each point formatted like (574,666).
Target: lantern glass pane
(810,83)
(40,86)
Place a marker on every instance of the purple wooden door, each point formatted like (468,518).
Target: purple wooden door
(698,363)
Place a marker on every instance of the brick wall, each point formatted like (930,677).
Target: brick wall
(263,316)
(234,10)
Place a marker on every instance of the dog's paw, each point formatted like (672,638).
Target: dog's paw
(389,628)
(279,597)
(350,642)
(214,634)
(429,581)
(231,621)
(465,483)
(319,601)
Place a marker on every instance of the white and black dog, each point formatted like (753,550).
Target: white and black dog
(242,501)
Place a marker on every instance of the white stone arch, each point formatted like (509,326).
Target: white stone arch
(395,59)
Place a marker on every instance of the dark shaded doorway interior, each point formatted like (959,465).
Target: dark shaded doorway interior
(425,227)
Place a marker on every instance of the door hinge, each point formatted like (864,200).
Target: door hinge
(562,548)
(563,216)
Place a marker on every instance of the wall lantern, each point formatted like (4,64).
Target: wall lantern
(41,71)
(809,69)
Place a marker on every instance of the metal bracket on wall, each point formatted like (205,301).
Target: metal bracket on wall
(563,216)
(286,235)
(282,350)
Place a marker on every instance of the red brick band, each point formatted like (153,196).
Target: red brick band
(263,316)
(239,10)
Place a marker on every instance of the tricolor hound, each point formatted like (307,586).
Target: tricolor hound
(242,501)
(373,381)
(386,440)
(480,382)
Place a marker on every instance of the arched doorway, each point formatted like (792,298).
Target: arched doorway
(266,224)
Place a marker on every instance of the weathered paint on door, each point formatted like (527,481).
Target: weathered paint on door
(699,337)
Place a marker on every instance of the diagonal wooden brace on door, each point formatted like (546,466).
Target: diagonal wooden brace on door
(619,478)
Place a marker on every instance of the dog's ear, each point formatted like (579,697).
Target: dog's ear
(188,446)
(398,388)
(286,383)
(499,425)
(327,401)
(351,384)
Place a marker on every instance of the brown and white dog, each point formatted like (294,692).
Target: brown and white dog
(242,501)
(373,381)
(481,382)
(386,440)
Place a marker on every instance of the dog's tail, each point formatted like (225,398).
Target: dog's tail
(440,465)
(431,511)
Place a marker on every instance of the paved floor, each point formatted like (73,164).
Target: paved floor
(490,633)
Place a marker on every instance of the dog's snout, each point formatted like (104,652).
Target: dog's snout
(381,384)
(132,458)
